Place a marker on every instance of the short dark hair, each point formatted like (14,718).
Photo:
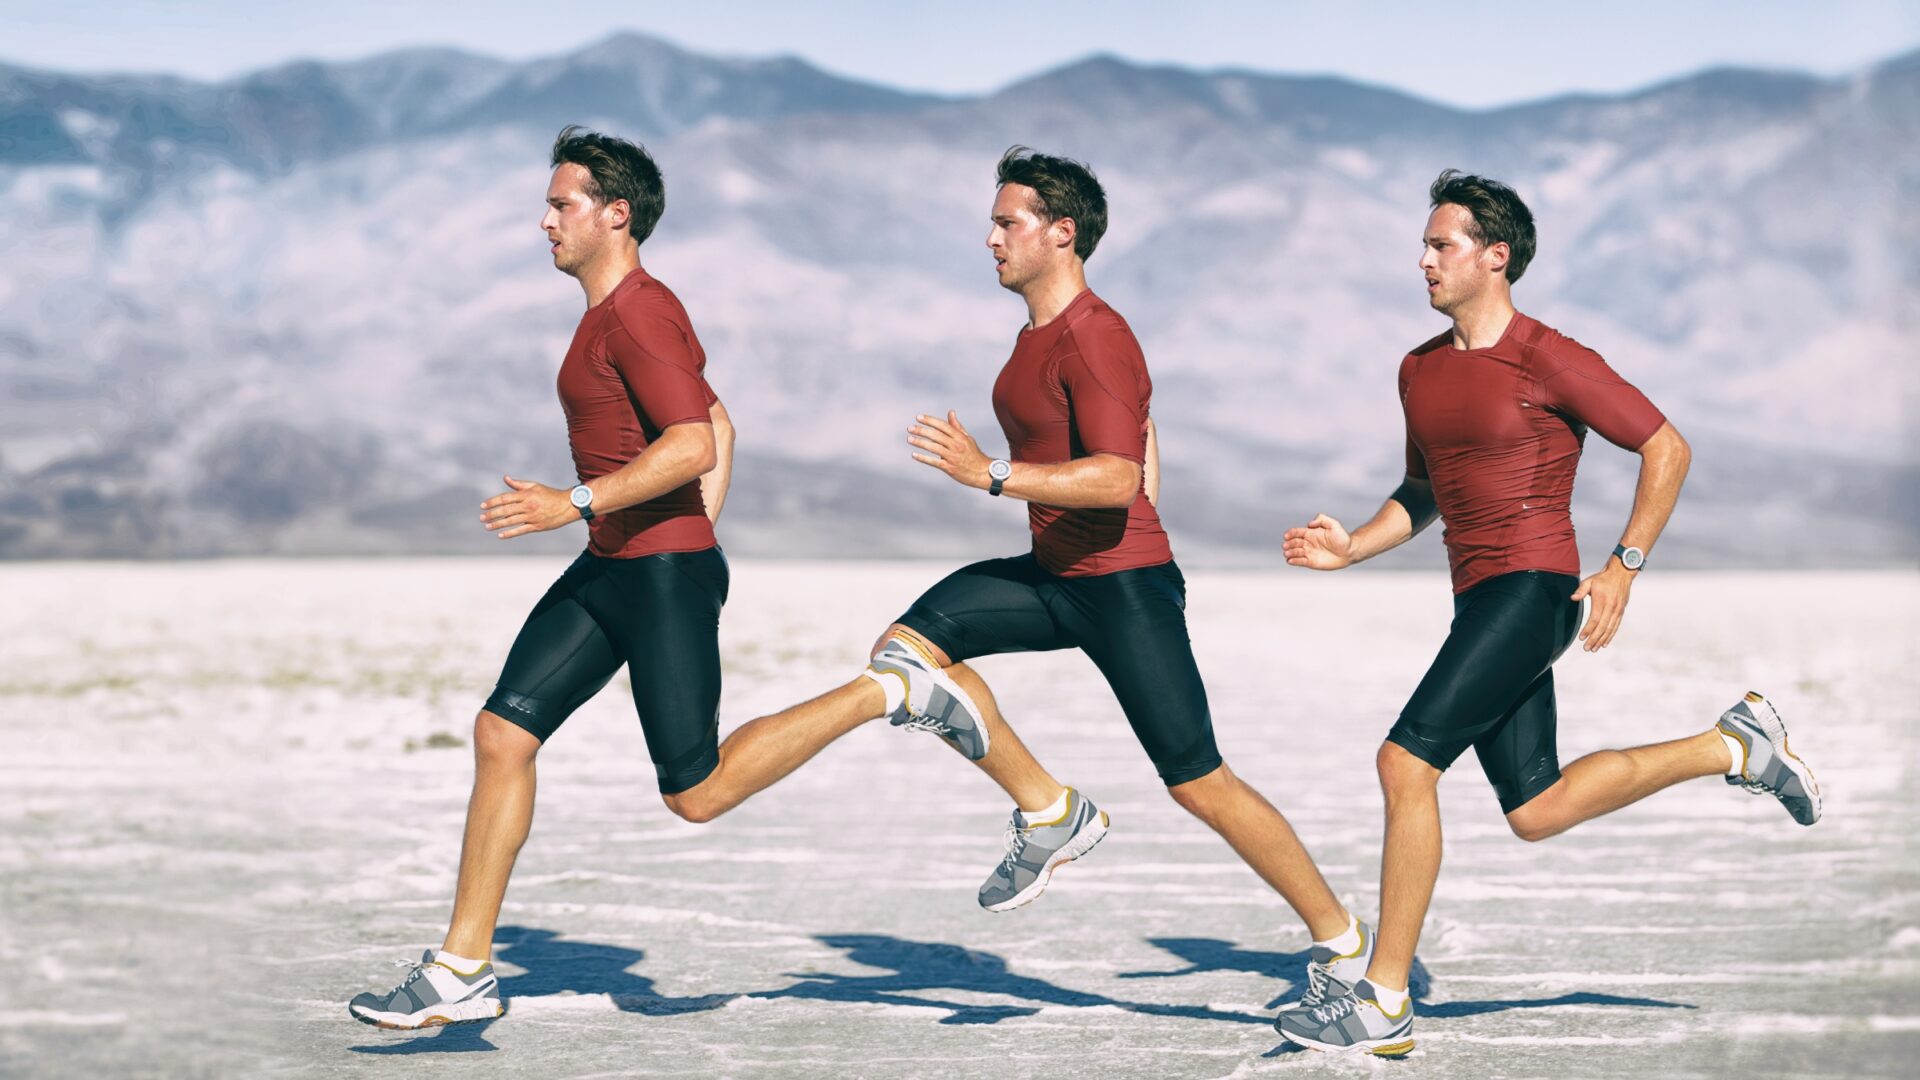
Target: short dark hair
(616,169)
(1499,217)
(1062,188)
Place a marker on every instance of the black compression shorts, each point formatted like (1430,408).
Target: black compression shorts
(1131,623)
(1491,687)
(657,614)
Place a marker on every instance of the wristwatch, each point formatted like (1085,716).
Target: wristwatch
(582,498)
(1630,557)
(998,470)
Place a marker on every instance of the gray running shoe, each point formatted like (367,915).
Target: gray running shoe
(433,994)
(1767,766)
(1331,974)
(934,702)
(1035,851)
(1351,1023)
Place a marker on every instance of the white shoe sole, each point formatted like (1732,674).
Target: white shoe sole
(1392,1046)
(1775,729)
(448,1012)
(1083,841)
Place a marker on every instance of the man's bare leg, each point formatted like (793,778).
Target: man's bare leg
(499,815)
(760,752)
(1606,780)
(1409,862)
(1262,837)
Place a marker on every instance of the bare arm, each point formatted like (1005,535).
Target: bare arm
(1099,480)
(713,485)
(1152,477)
(1664,459)
(1323,544)
(681,454)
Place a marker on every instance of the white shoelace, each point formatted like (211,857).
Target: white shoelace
(1016,841)
(1335,1009)
(923,722)
(1317,978)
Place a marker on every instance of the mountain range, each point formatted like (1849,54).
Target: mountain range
(308,310)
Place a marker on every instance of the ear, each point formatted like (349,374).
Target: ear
(619,213)
(1498,256)
(1065,231)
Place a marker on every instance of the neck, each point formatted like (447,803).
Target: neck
(608,271)
(1049,295)
(1480,323)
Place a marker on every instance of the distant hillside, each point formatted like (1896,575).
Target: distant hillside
(308,310)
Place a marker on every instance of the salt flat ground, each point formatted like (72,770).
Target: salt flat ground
(226,805)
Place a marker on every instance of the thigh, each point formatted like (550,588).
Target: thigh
(1521,753)
(1504,636)
(562,657)
(667,627)
(989,607)
(1133,626)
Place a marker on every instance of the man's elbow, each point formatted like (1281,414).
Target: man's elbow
(1670,447)
(697,448)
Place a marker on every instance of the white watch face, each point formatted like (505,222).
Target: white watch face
(1632,558)
(999,470)
(582,495)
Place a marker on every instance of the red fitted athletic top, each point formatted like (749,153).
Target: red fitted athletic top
(1075,387)
(1499,431)
(634,369)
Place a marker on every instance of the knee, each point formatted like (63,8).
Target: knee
(1402,773)
(500,743)
(692,805)
(1533,823)
(1200,797)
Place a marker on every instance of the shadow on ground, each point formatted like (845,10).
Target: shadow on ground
(920,966)
(552,964)
(1212,954)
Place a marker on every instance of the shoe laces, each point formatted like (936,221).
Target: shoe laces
(1016,841)
(1337,1008)
(1318,976)
(926,722)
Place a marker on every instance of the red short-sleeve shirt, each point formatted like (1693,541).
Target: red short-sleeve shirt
(1075,387)
(635,368)
(1499,432)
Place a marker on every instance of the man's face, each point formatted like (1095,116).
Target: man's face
(578,226)
(1023,243)
(1458,267)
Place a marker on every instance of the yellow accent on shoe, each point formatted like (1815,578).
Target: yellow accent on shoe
(1753,696)
(463,974)
(1735,736)
(1404,1006)
(1396,1050)
(1064,814)
(1362,927)
(923,648)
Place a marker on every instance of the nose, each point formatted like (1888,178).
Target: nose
(550,216)
(1427,261)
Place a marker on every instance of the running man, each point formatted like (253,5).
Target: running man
(1497,410)
(652,446)
(1073,402)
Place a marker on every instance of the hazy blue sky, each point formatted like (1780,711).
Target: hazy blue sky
(1468,52)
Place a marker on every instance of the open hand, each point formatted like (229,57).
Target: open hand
(527,508)
(1323,544)
(950,449)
